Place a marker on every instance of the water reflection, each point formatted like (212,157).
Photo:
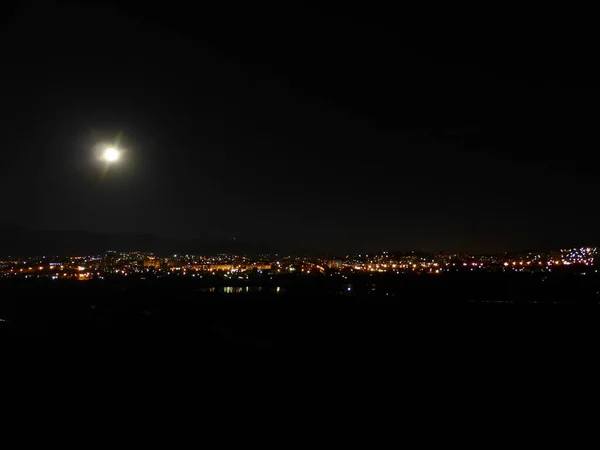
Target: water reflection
(241,289)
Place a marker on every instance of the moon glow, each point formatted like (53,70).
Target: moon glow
(111,155)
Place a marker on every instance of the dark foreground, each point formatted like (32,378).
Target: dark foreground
(419,312)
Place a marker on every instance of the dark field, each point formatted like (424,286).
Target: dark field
(379,313)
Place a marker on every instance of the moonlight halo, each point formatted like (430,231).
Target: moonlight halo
(111,155)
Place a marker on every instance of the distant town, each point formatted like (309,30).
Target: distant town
(133,292)
(242,268)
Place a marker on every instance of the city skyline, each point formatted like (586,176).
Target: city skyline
(246,271)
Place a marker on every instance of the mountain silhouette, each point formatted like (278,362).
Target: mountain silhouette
(19,241)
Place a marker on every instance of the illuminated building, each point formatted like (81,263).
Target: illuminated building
(152,262)
(108,262)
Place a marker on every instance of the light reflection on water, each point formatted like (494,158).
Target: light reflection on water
(241,289)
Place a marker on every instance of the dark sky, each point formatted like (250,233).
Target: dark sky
(335,128)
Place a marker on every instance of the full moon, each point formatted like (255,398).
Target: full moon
(111,154)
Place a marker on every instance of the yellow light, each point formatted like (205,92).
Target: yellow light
(111,154)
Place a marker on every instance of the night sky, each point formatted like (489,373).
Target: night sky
(303,126)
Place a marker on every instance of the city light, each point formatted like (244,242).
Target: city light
(245,269)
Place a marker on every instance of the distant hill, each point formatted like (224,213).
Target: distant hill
(16,240)
(19,241)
